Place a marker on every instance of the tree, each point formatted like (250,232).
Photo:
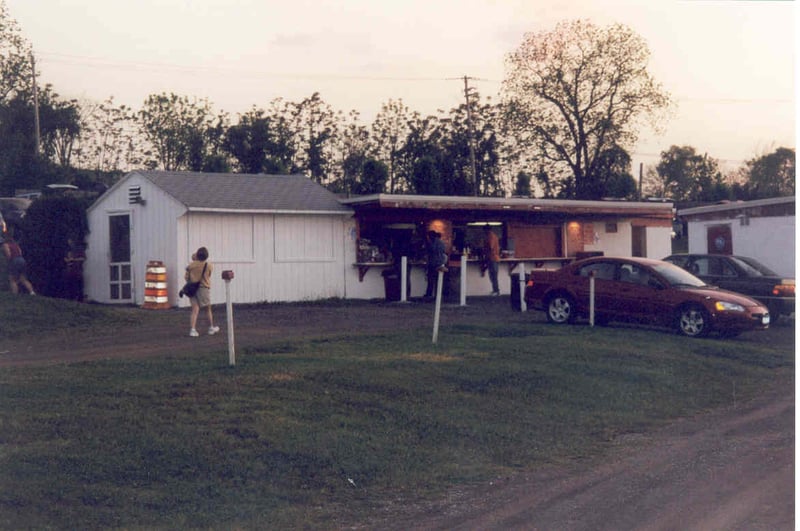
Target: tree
(479,125)
(16,67)
(60,126)
(389,132)
(374,174)
(316,126)
(613,175)
(178,128)
(423,142)
(426,177)
(574,92)
(353,150)
(20,167)
(522,186)
(685,175)
(771,175)
(49,224)
(109,140)
(252,143)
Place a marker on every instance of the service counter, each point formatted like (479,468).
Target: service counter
(476,281)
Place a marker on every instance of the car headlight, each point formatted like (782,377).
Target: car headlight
(723,306)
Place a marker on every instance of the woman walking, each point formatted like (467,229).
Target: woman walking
(199,270)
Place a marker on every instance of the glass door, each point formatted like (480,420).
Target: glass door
(121,277)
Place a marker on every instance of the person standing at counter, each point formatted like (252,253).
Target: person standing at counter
(437,258)
(491,255)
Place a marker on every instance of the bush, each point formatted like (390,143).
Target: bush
(49,225)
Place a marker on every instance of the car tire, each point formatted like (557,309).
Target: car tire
(560,309)
(693,320)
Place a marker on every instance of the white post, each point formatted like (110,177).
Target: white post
(463,285)
(522,306)
(591,298)
(438,306)
(403,278)
(229,312)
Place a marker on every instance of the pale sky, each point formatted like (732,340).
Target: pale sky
(730,65)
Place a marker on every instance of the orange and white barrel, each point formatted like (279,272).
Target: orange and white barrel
(155,286)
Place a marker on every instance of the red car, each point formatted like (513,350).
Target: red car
(643,290)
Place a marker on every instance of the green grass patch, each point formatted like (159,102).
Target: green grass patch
(319,433)
(23,316)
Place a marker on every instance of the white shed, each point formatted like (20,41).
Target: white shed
(763,229)
(282,235)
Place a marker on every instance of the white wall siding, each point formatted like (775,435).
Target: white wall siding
(611,243)
(152,232)
(770,240)
(659,240)
(273,257)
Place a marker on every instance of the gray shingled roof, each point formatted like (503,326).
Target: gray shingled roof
(248,192)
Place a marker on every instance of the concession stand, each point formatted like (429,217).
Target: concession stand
(533,233)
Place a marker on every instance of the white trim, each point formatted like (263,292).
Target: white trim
(737,205)
(267,211)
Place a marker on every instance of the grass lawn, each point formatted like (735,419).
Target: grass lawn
(318,434)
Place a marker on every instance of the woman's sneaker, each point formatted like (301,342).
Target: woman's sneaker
(213,330)
(193,333)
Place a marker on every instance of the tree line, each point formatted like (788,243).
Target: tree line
(570,110)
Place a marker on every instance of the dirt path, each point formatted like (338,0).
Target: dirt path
(731,469)
(166,332)
(728,470)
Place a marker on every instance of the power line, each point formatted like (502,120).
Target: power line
(98,62)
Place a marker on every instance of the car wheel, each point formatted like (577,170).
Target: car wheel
(560,309)
(693,321)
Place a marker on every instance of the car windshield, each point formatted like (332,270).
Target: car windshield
(752,267)
(677,276)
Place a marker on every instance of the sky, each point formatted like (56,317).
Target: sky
(730,65)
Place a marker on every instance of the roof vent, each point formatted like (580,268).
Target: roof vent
(135,195)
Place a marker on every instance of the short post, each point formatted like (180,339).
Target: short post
(591,298)
(227,276)
(463,279)
(522,306)
(403,278)
(438,310)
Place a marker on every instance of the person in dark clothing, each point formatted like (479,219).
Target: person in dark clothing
(437,259)
(16,265)
(73,272)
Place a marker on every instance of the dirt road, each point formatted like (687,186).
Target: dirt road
(728,470)
(731,469)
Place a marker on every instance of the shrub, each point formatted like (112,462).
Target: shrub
(49,225)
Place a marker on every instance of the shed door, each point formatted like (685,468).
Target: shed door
(719,239)
(121,277)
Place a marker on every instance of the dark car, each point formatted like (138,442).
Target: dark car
(742,275)
(643,290)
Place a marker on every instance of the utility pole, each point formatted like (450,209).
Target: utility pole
(641,172)
(37,131)
(471,138)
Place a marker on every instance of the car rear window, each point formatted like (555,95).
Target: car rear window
(753,268)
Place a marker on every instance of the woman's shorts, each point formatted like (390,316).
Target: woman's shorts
(203,297)
(16,267)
